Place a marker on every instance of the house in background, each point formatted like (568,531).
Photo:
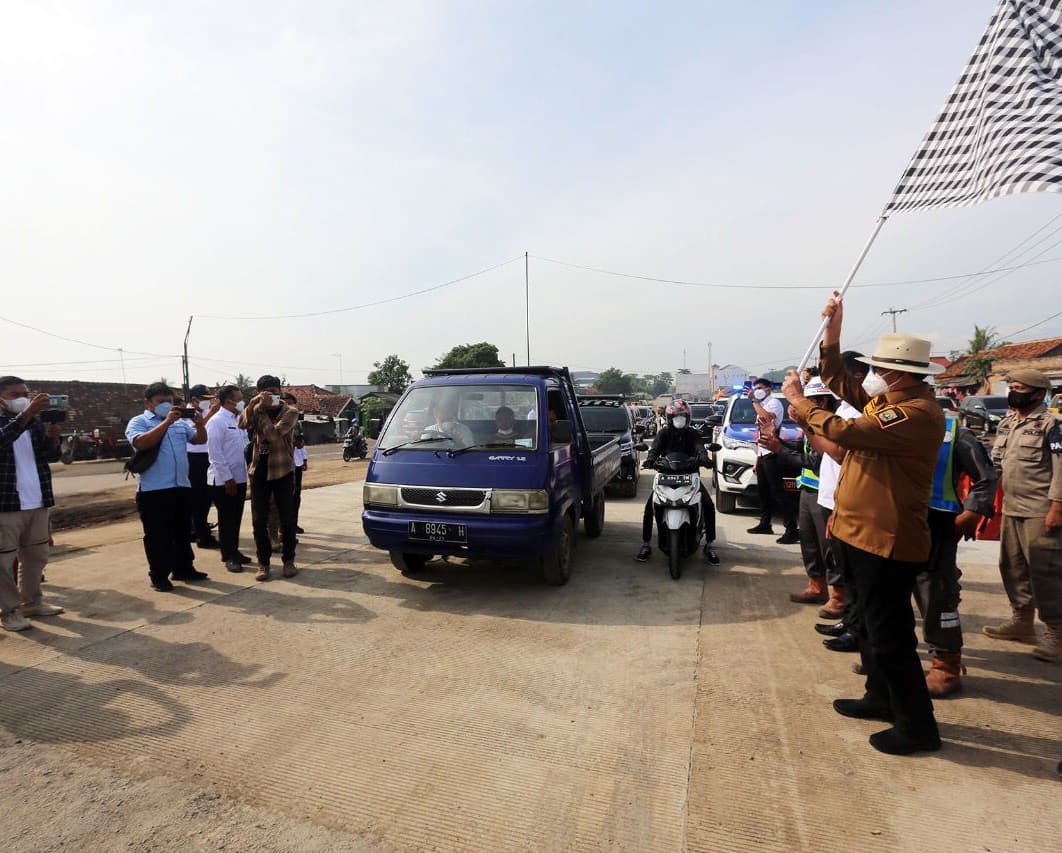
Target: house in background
(1044,355)
(106,406)
(326,415)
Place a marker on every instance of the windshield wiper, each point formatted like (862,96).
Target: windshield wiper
(428,440)
(457,451)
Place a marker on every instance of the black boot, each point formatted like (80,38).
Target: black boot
(846,642)
(643,553)
(834,630)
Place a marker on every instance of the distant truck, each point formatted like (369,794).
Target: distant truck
(608,416)
(464,485)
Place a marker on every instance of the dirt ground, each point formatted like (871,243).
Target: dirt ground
(469,707)
(110,505)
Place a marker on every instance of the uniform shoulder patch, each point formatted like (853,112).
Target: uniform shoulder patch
(890,416)
(1054,439)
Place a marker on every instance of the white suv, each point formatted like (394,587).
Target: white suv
(735,464)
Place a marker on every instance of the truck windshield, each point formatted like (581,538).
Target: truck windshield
(700,412)
(478,417)
(604,419)
(742,413)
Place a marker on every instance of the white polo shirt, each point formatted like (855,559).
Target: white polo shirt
(829,470)
(225,446)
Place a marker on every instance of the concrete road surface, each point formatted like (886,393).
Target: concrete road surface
(85,477)
(473,708)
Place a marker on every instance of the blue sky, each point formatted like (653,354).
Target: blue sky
(162,160)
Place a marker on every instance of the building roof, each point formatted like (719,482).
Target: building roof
(94,405)
(315,400)
(1024,351)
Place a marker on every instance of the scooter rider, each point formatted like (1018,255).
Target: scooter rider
(679,437)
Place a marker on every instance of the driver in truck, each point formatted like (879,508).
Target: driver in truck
(446,423)
(678,436)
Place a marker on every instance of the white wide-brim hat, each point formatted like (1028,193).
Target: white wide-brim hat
(903,352)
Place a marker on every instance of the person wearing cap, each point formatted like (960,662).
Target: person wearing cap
(879,526)
(198,462)
(1028,455)
(814,548)
(270,425)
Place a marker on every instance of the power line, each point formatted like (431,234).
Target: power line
(708,284)
(389,299)
(1034,325)
(82,343)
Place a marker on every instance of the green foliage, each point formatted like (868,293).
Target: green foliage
(657,383)
(392,374)
(471,355)
(371,407)
(615,381)
(979,365)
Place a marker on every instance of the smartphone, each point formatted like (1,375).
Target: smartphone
(52,416)
(188,412)
(277,400)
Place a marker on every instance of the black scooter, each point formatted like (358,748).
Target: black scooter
(354,447)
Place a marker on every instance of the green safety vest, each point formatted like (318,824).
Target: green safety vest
(943,496)
(808,479)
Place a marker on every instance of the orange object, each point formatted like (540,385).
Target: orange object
(988,530)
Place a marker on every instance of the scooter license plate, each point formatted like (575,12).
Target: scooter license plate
(434,531)
(674,479)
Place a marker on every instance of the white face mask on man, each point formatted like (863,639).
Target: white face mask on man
(679,421)
(875,385)
(760,394)
(18,405)
(239,406)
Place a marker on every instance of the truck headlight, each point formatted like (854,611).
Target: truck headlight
(375,494)
(518,500)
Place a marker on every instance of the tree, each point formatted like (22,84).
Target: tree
(392,374)
(684,371)
(614,381)
(471,355)
(978,363)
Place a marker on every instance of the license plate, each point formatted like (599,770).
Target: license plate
(789,484)
(434,531)
(674,479)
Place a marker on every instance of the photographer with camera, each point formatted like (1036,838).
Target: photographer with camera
(163,496)
(26,448)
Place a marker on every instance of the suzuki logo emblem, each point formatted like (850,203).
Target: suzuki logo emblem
(440,497)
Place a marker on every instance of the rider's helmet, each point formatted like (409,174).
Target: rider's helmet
(678,409)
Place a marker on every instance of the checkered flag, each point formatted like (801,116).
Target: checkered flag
(1000,132)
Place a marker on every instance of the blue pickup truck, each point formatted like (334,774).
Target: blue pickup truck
(488,463)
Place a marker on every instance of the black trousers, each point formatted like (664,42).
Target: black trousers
(298,493)
(887,641)
(707,511)
(814,547)
(937,589)
(199,500)
(283,492)
(773,499)
(164,517)
(230,517)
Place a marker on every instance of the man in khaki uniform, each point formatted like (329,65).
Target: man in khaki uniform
(879,524)
(1028,455)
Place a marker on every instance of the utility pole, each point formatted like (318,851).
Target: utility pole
(894,312)
(184,361)
(513,362)
(527,307)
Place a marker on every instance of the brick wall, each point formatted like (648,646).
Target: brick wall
(106,406)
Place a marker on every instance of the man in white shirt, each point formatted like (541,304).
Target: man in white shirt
(769,416)
(26,448)
(227,473)
(446,423)
(207,404)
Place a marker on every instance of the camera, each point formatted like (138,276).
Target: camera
(52,416)
(188,412)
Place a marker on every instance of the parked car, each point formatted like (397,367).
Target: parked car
(608,416)
(464,493)
(734,476)
(699,413)
(982,413)
(947,403)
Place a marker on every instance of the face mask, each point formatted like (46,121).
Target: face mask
(679,422)
(505,432)
(239,406)
(1021,399)
(163,409)
(204,406)
(18,405)
(875,385)
(760,394)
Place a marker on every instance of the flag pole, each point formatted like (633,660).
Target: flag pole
(844,289)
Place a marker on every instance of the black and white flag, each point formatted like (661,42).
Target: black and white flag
(1000,131)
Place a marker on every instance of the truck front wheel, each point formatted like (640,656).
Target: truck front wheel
(556,564)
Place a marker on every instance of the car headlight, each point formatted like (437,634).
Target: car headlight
(735,444)
(518,500)
(375,494)
(994,418)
